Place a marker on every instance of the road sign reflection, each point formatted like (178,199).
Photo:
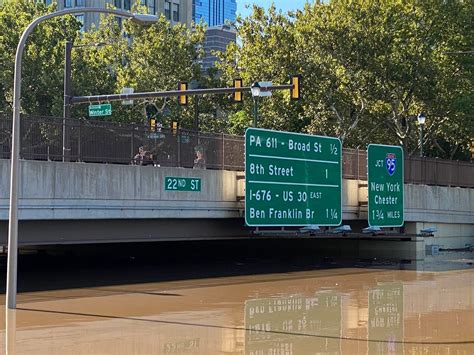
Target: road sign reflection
(294,325)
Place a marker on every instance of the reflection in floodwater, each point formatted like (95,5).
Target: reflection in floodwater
(271,325)
(385,323)
(340,311)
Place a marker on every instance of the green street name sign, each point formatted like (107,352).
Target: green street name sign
(100,110)
(292,179)
(182,184)
(385,185)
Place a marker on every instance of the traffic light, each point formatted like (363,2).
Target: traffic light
(295,91)
(183,99)
(152,125)
(472,149)
(238,97)
(174,126)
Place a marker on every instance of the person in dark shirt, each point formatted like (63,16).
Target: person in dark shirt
(143,157)
(199,162)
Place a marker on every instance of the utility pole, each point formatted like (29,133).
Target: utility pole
(67,100)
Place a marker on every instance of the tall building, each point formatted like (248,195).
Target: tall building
(214,12)
(176,11)
(217,39)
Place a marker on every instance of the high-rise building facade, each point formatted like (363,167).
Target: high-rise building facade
(214,12)
(176,11)
(217,39)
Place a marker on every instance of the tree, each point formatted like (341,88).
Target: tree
(43,58)
(368,69)
(158,58)
(265,50)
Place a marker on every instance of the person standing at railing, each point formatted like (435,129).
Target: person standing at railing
(199,162)
(143,157)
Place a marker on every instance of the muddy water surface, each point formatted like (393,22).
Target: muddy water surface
(346,310)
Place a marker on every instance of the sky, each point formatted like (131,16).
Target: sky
(284,5)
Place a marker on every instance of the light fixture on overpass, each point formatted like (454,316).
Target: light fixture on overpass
(421,122)
(255,89)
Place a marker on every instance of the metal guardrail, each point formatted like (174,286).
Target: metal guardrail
(109,142)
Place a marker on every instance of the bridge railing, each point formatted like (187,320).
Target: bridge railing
(98,141)
(109,142)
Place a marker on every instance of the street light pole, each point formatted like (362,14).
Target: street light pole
(421,122)
(12,262)
(255,89)
(67,100)
(255,111)
(69,45)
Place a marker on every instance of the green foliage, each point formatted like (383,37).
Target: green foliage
(43,57)
(149,58)
(368,67)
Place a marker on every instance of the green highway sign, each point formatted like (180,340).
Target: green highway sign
(292,179)
(100,110)
(182,184)
(385,185)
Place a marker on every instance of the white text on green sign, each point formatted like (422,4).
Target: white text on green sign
(182,184)
(385,185)
(292,179)
(100,110)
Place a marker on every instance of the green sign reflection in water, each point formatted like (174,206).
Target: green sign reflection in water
(271,324)
(385,325)
(292,179)
(182,184)
(385,185)
(100,110)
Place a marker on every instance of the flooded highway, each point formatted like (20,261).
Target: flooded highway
(204,298)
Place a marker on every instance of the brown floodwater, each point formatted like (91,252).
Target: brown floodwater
(343,310)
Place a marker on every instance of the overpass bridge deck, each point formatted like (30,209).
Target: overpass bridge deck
(83,203)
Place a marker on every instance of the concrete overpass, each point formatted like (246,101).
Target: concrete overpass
(67,203)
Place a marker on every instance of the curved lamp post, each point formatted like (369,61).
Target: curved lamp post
(421,122)
(143,19)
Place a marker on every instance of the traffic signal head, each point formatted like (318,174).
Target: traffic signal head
(295,91)
(152,125)
(472,149)
(183,99)
(174,126)
(238,94)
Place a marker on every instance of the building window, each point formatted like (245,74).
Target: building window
(80,18)
(118,4)
(80,2)
(126,5)
(67,3)
(118,20)
(152,7)
(168,10)
(176,12)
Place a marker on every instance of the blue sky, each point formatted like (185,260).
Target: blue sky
(284,5)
